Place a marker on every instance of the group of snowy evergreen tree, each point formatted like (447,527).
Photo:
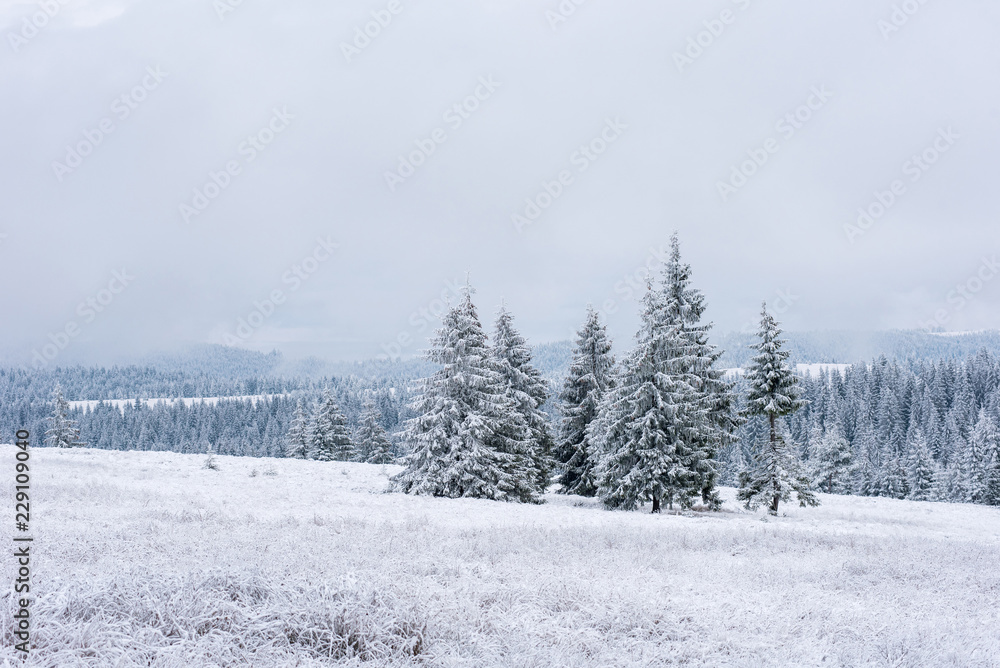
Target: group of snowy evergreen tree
(324,435)
(650,428)
(480,431)
(662,427)
(646,430)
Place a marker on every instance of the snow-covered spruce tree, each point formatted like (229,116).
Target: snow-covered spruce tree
(652,423)
(947,484)
(330,439)
(62,432)
(991,491)
(464,440)
(894,479)
(977,463)
(525,387)
(373,444)
(298,439)
(735,463)
(869,464)
(986,436)
(683,307)
(590,375)
(773,393)
(920,468)
(832,462)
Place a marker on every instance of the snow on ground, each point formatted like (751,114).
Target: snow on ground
(91,404)
(148,559)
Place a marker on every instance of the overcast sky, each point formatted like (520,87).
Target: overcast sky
(666,98)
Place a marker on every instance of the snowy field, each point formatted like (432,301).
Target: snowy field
(147,559)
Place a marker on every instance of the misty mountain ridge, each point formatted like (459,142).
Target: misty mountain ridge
(553,358)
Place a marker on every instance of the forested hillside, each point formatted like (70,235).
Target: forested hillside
(919,430)
(922,425)
(231,426)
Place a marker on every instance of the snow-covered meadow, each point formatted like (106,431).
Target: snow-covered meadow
(148,559)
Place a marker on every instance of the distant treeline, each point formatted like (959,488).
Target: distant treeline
(898,429)
(235,427)
(849,347)
(886,411)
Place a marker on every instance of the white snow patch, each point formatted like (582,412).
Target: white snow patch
(91,404)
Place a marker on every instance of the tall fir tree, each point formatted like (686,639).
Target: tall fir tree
(62,432)
(373,444)
(773,393)
(652,424)
(683,307)
(590,376)
(525,387)
(298,438)
(467,439)
(330,438)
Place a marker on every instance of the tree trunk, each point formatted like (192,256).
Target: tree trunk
(656,504)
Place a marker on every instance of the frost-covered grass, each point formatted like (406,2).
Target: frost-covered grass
(148,559)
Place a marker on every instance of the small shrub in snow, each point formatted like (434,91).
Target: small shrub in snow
(210,462)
